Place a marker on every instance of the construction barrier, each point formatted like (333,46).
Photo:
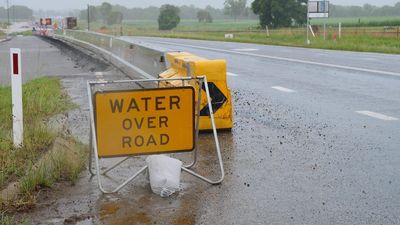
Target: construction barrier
(138,58)
(183,64)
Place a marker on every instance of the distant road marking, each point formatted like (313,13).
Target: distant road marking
(283,59)
(279,88)
(369,59)
(245,49)
(232,74)
(377,115)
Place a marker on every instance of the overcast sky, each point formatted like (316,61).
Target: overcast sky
(79,4)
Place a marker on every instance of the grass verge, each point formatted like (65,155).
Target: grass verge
(367,43)
(10,220)
(2,35)
(365,39)
(46,156)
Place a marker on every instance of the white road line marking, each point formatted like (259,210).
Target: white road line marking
(377,115)
(279,88)
(232,74)
(98,73)
(369,59)
(285,59)
(245,49)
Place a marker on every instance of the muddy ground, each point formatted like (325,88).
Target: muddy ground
(283,165)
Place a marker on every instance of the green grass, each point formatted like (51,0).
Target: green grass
(45,156)
(10,220)
(294,37)
(194,25)
(24,33)
(184,25)
(367,39)
(364,21)
(2,34)
(42,98)
(64,162)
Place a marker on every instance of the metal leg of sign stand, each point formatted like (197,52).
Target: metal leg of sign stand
(96,155)
(91,152)
(115,165)
(200,83)
(221,165)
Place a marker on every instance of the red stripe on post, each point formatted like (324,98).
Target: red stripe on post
(15,64)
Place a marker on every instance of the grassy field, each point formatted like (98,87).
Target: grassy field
(2,34)
(32,165)
(359,21)
(366,39)
(194,25)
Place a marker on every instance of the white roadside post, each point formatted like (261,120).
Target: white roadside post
(16,89)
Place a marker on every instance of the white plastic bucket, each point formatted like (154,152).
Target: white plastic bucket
(164,174)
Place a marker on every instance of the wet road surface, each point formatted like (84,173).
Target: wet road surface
(299,153)
(41,58)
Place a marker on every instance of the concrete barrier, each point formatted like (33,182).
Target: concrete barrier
(132,58)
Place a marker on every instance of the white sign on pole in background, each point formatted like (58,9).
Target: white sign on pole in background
(318,9)
(16,89)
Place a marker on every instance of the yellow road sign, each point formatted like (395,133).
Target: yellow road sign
(145,121)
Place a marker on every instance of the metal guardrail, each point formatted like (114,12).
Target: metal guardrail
(144,60)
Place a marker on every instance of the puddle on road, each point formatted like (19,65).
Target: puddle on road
(144,207)
(136,204)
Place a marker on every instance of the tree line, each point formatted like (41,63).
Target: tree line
(18,12)
(185,12)
(104,12)
(364,11)
(274,13)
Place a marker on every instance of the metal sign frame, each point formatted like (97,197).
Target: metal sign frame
(186,168)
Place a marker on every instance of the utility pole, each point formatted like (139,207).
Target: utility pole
(8,13)
(88,18)
(307,26)
(8,18)
(13,14)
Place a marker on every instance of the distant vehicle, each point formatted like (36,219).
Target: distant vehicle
(71,22)
(45,22)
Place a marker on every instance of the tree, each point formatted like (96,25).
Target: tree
(280,13)
(115,18)
(93,14)
(21,12)
(204,16)
(168,18)
(105,10)
(235,8)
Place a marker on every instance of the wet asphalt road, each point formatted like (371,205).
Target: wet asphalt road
(302,157)
(39,58)
(321,162)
